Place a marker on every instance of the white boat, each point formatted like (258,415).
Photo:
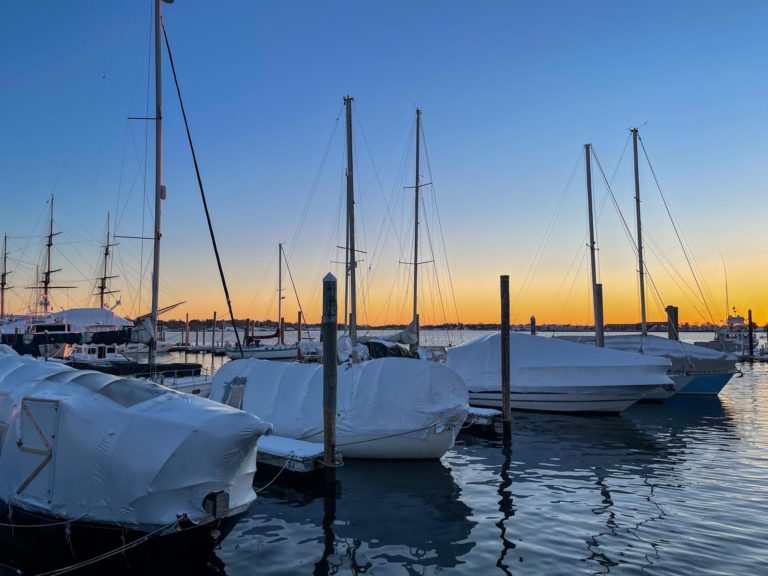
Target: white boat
(732,338)
(96,353)
(389,408)
(556,376)
(101,461)
(694,369)
(265,352)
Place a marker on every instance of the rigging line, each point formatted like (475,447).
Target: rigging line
(434,264)
(658,252)
(378,179)
(615,203)
(440,228)
(535,261)
(315,184)
(202,194)
(677,232)
(295,292)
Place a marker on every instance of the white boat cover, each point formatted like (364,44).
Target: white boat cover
(82,445)
(539,362)
(684,357)
(379,398)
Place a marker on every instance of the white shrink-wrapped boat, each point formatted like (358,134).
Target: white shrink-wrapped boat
(91,462)
(556,376)
(704,371)
(390,408)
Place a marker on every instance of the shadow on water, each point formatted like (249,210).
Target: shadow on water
(406,514)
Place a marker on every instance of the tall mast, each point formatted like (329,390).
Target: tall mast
(416,230)
(596,288)
(103,289)
(352,253)
(159,190)
(47,274)
(641,269)
(4,277)
(280,292)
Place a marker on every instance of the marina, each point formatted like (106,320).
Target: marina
(469,361)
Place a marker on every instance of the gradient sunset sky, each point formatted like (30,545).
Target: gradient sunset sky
(510,93)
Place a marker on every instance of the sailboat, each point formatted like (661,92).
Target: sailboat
(695,370)
(100,463)
(388,408)
(253,348)
(558,376)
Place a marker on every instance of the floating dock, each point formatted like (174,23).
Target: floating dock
(293,455)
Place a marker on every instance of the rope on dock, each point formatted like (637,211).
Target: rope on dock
(268,484)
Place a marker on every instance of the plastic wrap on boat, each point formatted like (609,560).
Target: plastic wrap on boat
(377,399)
(86,445)
(538,362)
(684,356)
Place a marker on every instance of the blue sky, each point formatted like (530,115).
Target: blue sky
(510,93)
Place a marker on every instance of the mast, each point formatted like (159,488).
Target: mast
(641,269)
(46,280)
(352,254)
(416,232)
(4,277)
(159,189)
(280,293)
(597,304)
(103,289)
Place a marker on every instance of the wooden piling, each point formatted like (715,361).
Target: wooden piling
(599,322)
(533,325)
(186,330)
(213,334)
(673,328)
(505,361)
(750,334)
(298,327)
(329,370)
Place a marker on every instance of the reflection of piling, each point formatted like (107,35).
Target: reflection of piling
(329,374)
(505,392)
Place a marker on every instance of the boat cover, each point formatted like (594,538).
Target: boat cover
(537,361)
(379,397)
(82,445)
(684,356)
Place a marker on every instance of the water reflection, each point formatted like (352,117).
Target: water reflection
(407,514)
(571,482)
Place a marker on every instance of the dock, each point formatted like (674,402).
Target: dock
(482,416)
(293,455)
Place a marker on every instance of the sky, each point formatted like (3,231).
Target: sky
(510,92)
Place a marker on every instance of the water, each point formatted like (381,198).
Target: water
(673,488)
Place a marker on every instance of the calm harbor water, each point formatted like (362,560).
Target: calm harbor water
(673,488)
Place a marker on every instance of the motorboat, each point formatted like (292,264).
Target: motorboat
(552,375)
(387,408)
(97,462)
(695,370)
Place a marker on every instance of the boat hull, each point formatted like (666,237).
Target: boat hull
(42,542)
(662,392)
(706,384)
(579,399)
